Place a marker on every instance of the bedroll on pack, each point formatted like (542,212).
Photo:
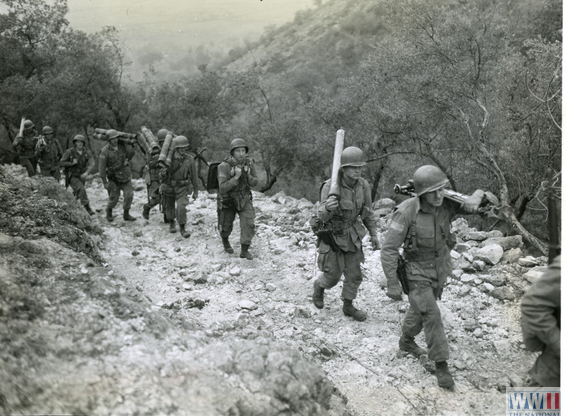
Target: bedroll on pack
(167,150)
(149,137)
(212,185)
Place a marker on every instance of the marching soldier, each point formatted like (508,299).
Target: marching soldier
(78,162)
(236,177)
(176,182)
(346,217)
(115,173)
(25,147)
(152,180)
(48,153)
(422,226)
(540,322)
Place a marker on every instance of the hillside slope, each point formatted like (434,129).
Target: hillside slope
(149,322)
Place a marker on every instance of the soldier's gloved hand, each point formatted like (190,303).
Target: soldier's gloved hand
(394,292)
(237,172)
(472,203)
(375,242)
(83,176)
(331,203)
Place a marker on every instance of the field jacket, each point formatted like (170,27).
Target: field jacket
(235,193)
(48,153)
(425,238)
(346,221)
(113,164)
(180,179)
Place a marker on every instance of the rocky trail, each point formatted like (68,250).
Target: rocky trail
(126,318)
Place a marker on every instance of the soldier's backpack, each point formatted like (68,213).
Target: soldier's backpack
(212,178)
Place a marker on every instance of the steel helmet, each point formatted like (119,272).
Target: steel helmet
(352,156)
(80,138)
(181,141)
(238,143)
(111,134)
(161,134)
(47,130)
(28,124)
(428,178)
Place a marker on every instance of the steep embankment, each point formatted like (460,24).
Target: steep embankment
(153,323)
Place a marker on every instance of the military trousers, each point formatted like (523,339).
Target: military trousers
(334,264)
(227,216)
(176,208)
(54,172)
(114,189)
(30,163)
(79,190)
(423,313)
(153,195)
(546,370)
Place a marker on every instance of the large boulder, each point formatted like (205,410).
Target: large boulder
(507,243)
(512,256)
(490,254)
(383,207)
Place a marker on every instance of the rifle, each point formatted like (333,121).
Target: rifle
(489,206)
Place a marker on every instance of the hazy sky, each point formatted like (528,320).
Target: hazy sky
(167,33)
(222,22)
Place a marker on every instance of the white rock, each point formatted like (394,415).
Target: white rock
(457,273)
(467,278)
(533,275)
(490,254)
(247,304)
(235,271)
(476,235)
(528,261)
(455,255)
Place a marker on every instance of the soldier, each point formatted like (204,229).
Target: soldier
(152,180)
(236,177)
(48,153)
(540,322)
(25,147)
(114,169)
(422,226)
(176,186)
(78,162)
(342,253)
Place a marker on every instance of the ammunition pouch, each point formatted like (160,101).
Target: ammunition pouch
(228,202)
(323,232)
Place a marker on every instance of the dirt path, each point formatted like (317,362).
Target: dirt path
(221,297)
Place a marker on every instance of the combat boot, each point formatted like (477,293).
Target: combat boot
(443,376)
(145,212)
(244,253)
(172,227)
(89,209)
(227,247)
(109,216)
(408,344)
(185,233)
(349,310)
(318,295)
(127,216)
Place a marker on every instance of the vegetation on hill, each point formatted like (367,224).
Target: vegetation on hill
(473,87)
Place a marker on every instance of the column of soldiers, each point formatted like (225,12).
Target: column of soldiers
(419,232)
(167,185)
